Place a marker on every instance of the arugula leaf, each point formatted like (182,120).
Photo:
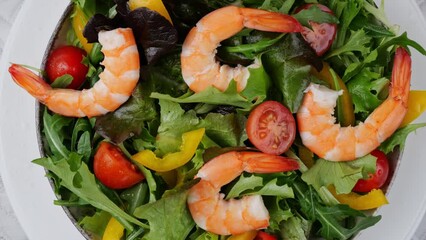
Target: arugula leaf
(135,196)
(62,81)
(54,130)
(78,179)
(343,175)
(96,224)
(332,218)
(365,90)
(399,137)
(169,217)
(277,212)
(129,119)
(314,14)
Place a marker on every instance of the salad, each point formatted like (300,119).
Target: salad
(224,119)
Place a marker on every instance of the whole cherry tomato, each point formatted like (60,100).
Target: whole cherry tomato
(113,169)
(271,128)
(321,35)
(378,179)
(67,60)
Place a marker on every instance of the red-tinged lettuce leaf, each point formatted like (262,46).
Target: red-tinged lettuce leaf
(129,119)
(154,34)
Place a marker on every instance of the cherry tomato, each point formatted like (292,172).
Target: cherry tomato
(322,35)
(261,235)
(271,128)
(113,169)
(376,180)
(67,60)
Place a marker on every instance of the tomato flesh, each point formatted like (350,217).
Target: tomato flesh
(261,235)
(113,169)
(271,128)
(378,179)
(67,60)
(321,35)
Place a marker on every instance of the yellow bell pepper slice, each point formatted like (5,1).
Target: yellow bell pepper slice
(345,109)
(114,230)
(416,106)
(79,21)
(155,5)
(374,199)
(250,235)
(190,142)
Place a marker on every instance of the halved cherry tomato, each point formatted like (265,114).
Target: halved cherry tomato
(271,128)
(321,35)
(67,60)
(113,169)
(261,235)
(378,179)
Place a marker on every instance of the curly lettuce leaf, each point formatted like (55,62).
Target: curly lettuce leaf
(365,90)
(399,137)
(343,175)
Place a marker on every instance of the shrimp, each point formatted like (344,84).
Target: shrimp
(116,82)
(199,66)
(214,214)
(330,141)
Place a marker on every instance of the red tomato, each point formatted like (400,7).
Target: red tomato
(67,60)
(264,236)
(376,180)
(271,128)
(322,35)
(113,169)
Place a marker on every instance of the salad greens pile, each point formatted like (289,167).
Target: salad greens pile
(162,108)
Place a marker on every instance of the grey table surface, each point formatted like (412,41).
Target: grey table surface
(10,228)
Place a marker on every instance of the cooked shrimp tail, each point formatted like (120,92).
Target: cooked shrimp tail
(115,85)
(200,69)
(207,205)
(330,141)
(28,80)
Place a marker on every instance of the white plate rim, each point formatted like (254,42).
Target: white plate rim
(38,216)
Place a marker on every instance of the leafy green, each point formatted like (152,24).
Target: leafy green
(288,63)
(135,196)
(314,14)
(129,119)
(250,184)
(73,174)
(96,224)
(226,130)
(169,217)
(296,228)
(399,137)
(332,218)
(62,81)
(365,90)
(357,42)
(278,212)
(54,129)
(343,175)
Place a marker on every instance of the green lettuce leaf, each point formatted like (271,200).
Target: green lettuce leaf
(399,137)
(358,41)
(250,184)
(278,210)
(226,130)
(169,217)
(54,129)
(314,14)
(296,228)
(343,175)
(96,224)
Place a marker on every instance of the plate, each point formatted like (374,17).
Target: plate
(32,197)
